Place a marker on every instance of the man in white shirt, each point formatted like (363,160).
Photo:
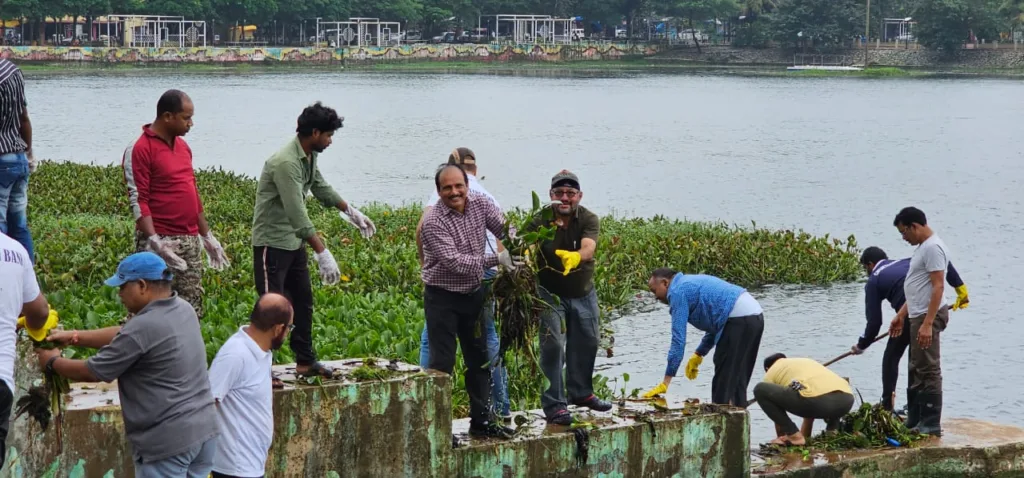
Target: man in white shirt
(500,404)
(19,295)
(241,385)
(926,311)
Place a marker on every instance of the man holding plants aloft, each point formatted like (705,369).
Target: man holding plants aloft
(454,236)
(570,332)
(281,224)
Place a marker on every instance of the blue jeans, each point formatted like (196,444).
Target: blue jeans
(14,199)
(499,375)
(196,462)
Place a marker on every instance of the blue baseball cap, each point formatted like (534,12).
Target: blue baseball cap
(140,266)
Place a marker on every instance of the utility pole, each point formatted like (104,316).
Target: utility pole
(867,32)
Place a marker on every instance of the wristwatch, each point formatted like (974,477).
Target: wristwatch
(49,364)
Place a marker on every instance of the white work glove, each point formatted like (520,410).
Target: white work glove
(31,161)
(329,272)
(215,255)
(166,248)
(357,219)
(506,260)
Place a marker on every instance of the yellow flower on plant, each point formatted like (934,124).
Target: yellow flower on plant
(344,278)
(40,334)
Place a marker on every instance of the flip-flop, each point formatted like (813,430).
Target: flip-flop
(317,369)
(275,381)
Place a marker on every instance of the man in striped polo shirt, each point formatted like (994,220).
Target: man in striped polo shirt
(16,159)
(165,202)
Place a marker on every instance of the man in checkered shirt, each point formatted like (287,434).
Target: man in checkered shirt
(453,237)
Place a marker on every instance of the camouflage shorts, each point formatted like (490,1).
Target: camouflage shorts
(188,283)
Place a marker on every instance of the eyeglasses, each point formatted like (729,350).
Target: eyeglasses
(569,193)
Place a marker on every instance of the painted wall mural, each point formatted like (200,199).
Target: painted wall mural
(493,52)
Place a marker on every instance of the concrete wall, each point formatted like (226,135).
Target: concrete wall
(712,445)
(1006,57)
(417,52)
(399,427)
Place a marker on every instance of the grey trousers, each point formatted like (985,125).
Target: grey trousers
(778,402)
(569,338)
(196,462)
(925,370)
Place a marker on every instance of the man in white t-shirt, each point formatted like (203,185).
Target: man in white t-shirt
(465,158)
(19,295)
(925,310)
(241,384)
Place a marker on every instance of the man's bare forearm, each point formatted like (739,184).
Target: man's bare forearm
(74,370)
(25,128)
(95,339)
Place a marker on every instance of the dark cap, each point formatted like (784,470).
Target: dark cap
(565,178)
(462,156)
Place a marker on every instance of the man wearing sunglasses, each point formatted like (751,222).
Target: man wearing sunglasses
(569,328)
(159,361)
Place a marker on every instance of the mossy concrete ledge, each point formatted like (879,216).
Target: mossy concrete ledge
(968,448)
(632,441)
(393,420)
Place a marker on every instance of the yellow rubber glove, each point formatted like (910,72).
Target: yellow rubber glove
(962,301)
(692,365)
(39,334)
(570,260)
(660,389)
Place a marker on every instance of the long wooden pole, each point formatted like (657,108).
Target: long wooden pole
(867,32)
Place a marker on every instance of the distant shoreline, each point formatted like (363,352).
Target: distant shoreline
(584,68)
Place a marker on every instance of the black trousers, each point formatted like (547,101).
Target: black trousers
(451,316)
(895,347)
(287,273)
(735,356)
(214,474)
(778,401)
(6,402)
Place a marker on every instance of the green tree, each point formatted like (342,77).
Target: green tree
(1013,11)
(696,11)
(946,24)
(824,23)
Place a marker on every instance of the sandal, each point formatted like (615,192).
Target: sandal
(317,369)
(275,381)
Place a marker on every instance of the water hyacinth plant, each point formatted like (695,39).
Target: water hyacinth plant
(82,226)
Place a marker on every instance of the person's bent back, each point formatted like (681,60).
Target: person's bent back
(805,388)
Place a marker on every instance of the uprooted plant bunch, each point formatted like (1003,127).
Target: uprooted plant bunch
(46,400)
(869,426)
(516,294)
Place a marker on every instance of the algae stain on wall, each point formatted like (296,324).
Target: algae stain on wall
(78,471)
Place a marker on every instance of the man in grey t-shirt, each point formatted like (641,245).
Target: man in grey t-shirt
(159,361)
(927,314)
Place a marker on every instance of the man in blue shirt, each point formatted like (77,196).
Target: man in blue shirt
(885,283)
(732,322)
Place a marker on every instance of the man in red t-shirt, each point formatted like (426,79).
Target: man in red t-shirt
(165,203)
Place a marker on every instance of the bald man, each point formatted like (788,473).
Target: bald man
(241,385)
(164,199)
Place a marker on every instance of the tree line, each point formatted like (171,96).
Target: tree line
(941,24)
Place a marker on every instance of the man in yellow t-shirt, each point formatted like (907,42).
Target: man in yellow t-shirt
(805,388)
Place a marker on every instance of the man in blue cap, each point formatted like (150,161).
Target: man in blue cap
(158,358)
(732,322)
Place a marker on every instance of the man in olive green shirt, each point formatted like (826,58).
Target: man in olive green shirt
(569,328)
(281,224)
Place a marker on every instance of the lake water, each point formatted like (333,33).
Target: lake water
(836,156)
